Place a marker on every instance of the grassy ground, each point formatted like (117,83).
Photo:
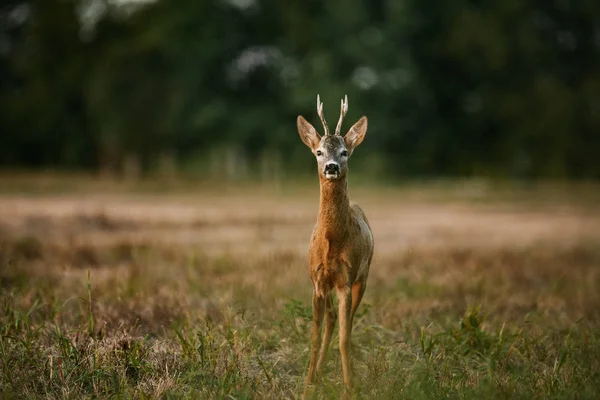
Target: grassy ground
(206,295)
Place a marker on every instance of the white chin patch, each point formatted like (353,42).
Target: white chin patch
(331,176)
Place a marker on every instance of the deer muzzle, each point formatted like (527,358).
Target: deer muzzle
(332,170)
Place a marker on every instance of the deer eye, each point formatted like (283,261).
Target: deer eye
(344,153)
(319,152)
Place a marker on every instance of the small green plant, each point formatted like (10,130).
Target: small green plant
(295,319)
(470,335)
(91,320)
(133,357)
(427,343)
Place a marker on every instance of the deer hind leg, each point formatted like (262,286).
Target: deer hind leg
(358,290)
(318,310)
(330,317)
(345,309)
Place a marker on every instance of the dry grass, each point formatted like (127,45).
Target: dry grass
(206,296)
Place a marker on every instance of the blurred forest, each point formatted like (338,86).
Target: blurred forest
(503,88)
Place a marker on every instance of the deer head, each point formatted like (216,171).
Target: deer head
(332,150)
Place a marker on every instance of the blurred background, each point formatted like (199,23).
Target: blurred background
(499,89)
(156,201)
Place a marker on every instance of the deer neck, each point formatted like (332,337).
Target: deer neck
(334,208)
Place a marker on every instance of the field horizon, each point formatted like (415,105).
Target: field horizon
(113,289)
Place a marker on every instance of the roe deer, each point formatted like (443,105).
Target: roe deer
(341,246)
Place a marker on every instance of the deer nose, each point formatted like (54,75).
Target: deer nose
(332,167)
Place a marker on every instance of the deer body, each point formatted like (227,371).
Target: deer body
(341,246)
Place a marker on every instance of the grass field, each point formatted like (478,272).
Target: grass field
(473,293)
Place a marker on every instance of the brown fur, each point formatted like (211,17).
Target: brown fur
(340,252)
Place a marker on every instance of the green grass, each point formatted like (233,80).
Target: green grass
(88,341)
(108,306)
(240,358)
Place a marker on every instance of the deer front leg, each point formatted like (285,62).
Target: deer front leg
(330,317)
(345,307)
(318,309)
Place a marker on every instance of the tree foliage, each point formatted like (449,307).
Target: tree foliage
(501,88)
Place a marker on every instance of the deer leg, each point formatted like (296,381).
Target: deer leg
(358,290)
(330,318)
(345,309)
(318,309)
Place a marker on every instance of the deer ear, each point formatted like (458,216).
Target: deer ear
(308,133)
(356,134)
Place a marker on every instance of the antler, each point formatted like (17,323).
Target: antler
(320,112)
(343,111)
